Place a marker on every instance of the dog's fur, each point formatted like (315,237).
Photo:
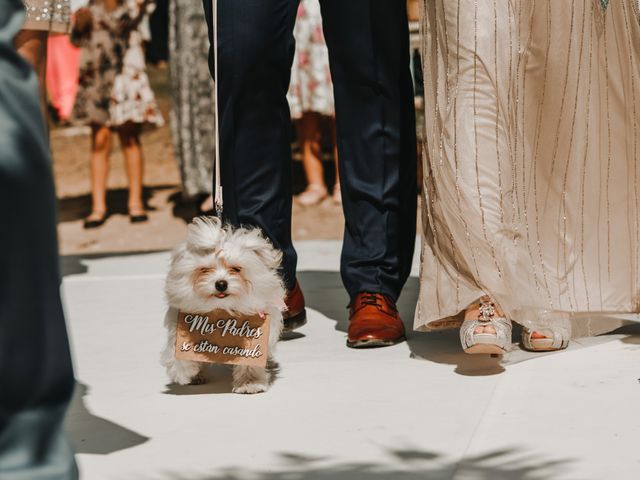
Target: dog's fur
(249,264)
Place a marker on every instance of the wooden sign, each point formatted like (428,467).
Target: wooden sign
(222,337)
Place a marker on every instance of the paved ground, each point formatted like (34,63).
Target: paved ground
(419,410)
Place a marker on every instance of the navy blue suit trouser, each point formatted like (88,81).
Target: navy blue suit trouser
(368,43)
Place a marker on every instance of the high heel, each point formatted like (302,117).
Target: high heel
(337,195)
(553,326)
(486,343)
(553,340)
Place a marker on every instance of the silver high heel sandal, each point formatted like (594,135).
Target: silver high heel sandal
(553,340)
(486,343)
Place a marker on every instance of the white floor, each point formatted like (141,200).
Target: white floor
(419,410)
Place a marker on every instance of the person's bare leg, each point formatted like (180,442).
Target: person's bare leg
(130,141)
(337,193)
(310,132)
(32,45)
(309,135)
(100,150)
(207,204)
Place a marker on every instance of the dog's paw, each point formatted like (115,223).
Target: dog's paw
(199,379)
(250,388)
(183,373)
(181,379)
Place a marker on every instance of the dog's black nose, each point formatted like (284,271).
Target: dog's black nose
(221,285)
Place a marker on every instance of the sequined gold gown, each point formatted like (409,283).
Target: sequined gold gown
(532,138)
(48,15)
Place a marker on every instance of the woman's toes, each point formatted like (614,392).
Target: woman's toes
(488,329)
(538,335)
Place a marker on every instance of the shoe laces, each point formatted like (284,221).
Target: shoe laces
(372,299)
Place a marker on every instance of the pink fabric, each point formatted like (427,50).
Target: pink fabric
(63,61)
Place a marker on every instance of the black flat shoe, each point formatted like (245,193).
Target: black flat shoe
(139,218)
(94,223)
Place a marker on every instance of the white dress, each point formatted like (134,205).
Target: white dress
(311,89)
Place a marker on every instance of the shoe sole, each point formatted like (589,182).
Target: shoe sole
(373,343)
(293,323)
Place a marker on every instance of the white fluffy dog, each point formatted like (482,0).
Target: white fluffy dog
(219,267)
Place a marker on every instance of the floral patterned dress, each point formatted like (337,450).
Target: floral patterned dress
(311,89)
(114,87)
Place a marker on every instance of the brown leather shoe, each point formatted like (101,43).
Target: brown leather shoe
(296,314)
(374,321)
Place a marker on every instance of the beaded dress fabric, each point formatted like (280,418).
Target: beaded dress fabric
(193,99)
(532,142)
(48,15)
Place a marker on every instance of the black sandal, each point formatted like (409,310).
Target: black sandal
(138,217)
(90,223)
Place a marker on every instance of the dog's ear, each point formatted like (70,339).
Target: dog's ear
(205,234)
(254,240)
(178,253)
(271,255)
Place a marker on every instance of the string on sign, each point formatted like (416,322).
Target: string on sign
(217,194)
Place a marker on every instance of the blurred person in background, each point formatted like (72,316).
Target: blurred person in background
(114,95)
(63,63)
(36,375)
(43,17)
(193,101)
(310,98)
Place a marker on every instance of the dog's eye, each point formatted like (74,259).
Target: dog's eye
(235,269)
(205,270)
